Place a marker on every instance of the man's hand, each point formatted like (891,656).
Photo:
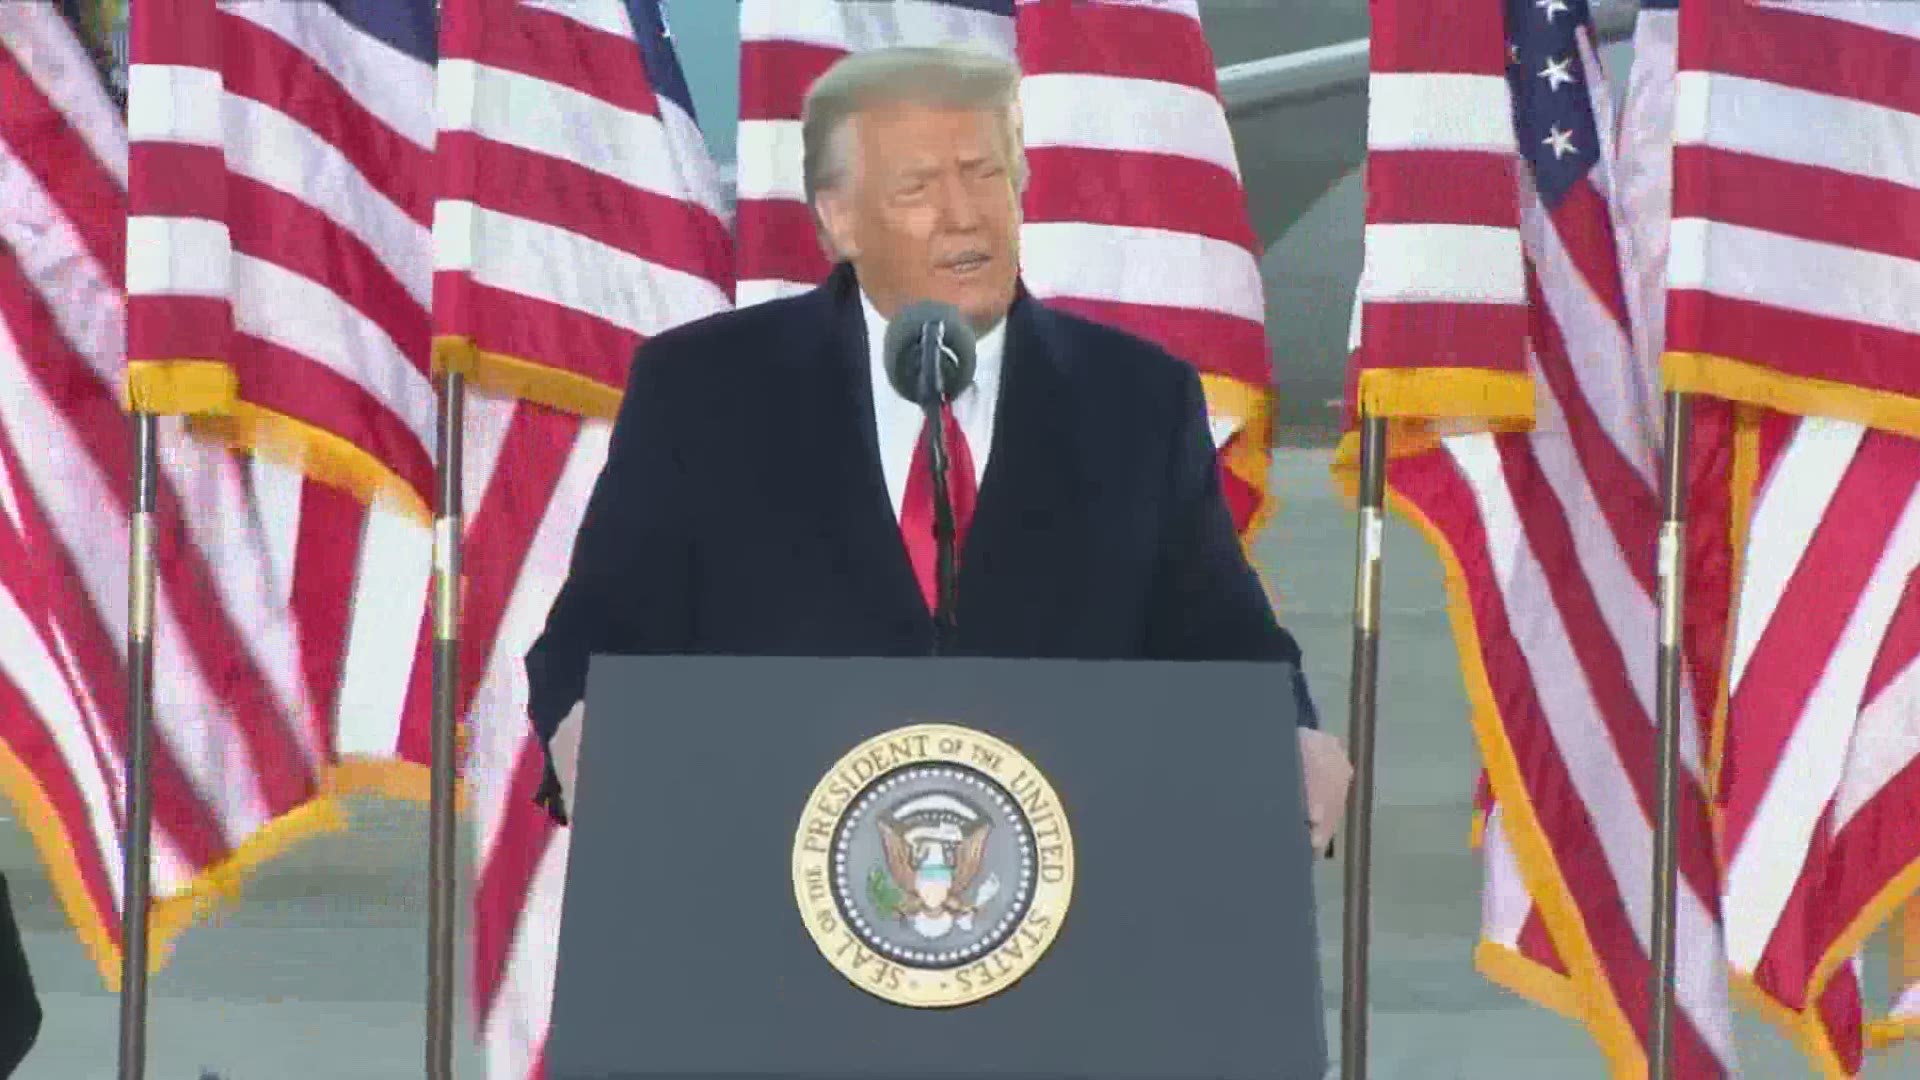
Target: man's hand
(549,796)
(1327,773)
(562,754)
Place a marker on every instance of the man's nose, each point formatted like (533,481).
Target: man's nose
(958,210)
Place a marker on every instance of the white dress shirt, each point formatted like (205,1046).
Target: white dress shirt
(900,420)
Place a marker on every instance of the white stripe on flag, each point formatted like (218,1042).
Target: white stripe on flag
(543,262)
(1433,111)
(513,109)
(1468,264)
(1795,274)
(1140,266)
(1143,116)
(857,27)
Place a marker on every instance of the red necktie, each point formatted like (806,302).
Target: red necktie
(916,511)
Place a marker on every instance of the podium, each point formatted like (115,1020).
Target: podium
(935,869)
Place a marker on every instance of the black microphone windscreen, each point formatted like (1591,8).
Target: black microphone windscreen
(903,354)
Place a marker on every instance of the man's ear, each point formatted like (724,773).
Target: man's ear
(830,209)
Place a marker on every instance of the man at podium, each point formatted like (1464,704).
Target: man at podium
(769,488)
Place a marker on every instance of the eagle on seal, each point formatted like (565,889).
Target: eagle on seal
(933,885)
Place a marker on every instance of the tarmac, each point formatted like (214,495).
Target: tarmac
(319,972)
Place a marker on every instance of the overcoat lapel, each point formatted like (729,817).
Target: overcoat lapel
(850,487)
(1017,568)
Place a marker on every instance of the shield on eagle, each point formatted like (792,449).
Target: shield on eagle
(935,846)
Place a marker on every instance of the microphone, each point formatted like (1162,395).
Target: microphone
(929,351)
(919,334)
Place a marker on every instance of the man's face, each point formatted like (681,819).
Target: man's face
(929,211)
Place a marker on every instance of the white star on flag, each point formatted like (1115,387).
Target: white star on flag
(1556,73)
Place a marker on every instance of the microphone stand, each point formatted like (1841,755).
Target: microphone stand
(943,524)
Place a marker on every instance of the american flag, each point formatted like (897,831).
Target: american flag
(281,213)
(235,775)
(1789,301)
(555,147)
(533,248)
(579,215)
(1548,535)
(1134,214)
(1441,311)
(280,231)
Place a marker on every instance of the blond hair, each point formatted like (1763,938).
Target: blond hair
(942,76)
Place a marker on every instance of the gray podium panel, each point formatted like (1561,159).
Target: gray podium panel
(1189,950)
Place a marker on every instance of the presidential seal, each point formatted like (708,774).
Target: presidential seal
(933,865)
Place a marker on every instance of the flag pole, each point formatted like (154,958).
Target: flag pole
(1672,571)
(138,838)
(446,680)
(1362,700)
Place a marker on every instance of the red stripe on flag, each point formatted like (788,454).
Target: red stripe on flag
(325,579)
(1536,943)
(1129,188)
(779,242)
(553,48)
(775,75)
(1464,37)
(186,33)
(1454,187)
(176,327)
(1213,342)
(1840,1019)
(1774,196)
(1806,51)
(1776,433)
(520,326)
(1900,646)
(1128,41)
(506,875)
(1797,344)
(1243,499)
(1422,335)
(180,180)
(1709,553)
(1630,506)
(1585,226)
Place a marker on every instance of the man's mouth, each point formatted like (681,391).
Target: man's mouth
(968,263)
